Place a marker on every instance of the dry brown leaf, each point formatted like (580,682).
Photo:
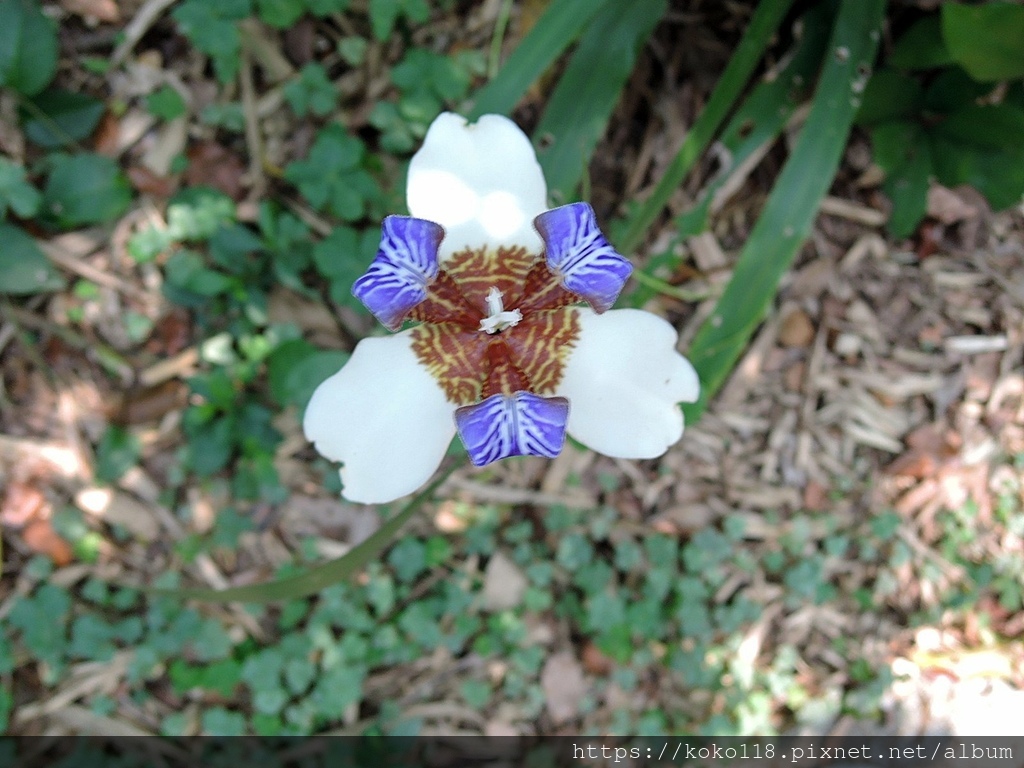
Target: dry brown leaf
(119,508)
(930,446)
(152,403)
(504,583)
(101,10)
(40,537)
(564,686)
(107,136)
(796,330)
(213,165)
(21,504)
(595,662)
(150,183)
(815,496)
(171,334)
(947,206)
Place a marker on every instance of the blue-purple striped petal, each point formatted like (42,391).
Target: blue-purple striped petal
(404,266)
(580,255)
(522,424)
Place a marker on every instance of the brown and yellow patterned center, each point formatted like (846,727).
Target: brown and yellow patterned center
(471,364)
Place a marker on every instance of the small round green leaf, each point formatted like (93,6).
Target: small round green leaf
(86,189)
(23,266)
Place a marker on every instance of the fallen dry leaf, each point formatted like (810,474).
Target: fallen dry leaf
(928,448)
(564,685)
(21,504)
(150,183)
(107,136)
(101,10)
(211,164)
(815,496)
(40,537)
(594,661)
(504,583)
(796,330)
(947,206)
(119,508)
(171,334)
(151,403)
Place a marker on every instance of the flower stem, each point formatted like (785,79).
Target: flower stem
(668,289)
(322,576)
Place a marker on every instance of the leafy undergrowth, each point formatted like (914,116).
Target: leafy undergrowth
(185,210)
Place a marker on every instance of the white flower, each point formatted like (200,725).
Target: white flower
(502,355)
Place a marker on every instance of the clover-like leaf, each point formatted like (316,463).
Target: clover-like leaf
(331,177)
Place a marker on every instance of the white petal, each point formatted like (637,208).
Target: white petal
(481,182)
(385,417)
(624,380)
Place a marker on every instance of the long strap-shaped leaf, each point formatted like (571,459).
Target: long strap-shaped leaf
(321,576)
(577,114)
(789,213)
(556,30)
(753,127)
(765,20)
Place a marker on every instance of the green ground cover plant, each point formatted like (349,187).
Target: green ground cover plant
(945,104)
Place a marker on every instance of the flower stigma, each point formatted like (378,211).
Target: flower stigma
(498,318)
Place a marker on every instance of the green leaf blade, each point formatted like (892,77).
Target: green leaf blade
(579,109)
(28,47)
(85,189)
(562,23)
(766,19)
(791,208)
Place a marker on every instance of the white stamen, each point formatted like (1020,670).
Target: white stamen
(498,319)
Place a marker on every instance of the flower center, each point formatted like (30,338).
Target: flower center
(498,318)
(474,346)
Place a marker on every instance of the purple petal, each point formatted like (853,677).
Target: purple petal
(580,255)
(404,266)
(522,424)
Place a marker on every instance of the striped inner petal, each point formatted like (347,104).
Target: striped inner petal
(579,254)
(521,424)
(404,266)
